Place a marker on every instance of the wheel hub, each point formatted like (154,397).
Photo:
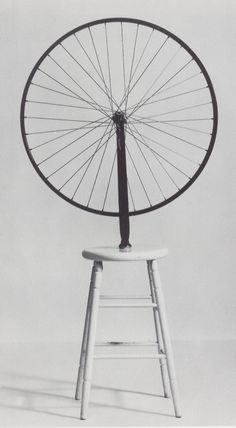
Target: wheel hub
(119,118)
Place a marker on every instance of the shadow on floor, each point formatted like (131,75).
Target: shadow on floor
(46,398)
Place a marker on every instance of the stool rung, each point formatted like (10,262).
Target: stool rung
(128,305)
(126,343)
(129,356)
(123,296)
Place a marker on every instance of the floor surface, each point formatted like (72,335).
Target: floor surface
(38,382)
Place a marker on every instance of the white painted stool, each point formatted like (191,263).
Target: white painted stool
(165,356)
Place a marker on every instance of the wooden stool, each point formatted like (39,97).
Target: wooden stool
(165,356)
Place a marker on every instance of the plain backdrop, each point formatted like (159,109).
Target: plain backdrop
(44,280)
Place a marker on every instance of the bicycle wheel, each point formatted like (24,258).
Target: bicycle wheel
(93,74)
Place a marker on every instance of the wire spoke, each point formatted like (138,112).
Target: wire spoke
(69,75)
(175,136)
(159,75)
(93,104)
(185,127)
(131,68)
(162,86)
(136,67)
(95,68)
(52,130)
(172,96)
(67,145)
(163,167)
(62,84)
(77,97)
(61,119)
(145,191)
(131,195)
(145,69)
(177,110)
(142,54)
(180,82)
(166,160)
(123,54)
(101,71)
(176,95)
(164,147)
(99,168)
(66,129)
(109,180)
(58,104)
(159,162)
(190,120)
(77,84)
(89,161)
(76,156)
(54,139)
(85,71)
(145,159)
(109,67)
(101,124)
(169,123)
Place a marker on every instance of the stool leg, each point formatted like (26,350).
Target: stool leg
(164,374)
(91,338)
(78,390)
(165,335)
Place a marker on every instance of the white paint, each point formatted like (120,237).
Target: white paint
(88,355)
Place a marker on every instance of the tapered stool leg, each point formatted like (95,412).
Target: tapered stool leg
(78,390)
(91,338)
(162,361)
(165,334)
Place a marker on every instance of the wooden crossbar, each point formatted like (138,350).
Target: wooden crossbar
(129,356)
(127,305)
(147,343)
(124,296)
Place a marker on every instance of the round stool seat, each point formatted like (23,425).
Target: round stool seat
(113,254)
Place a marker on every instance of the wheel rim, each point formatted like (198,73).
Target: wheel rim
(80,83)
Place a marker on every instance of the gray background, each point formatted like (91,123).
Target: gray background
(44,280)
